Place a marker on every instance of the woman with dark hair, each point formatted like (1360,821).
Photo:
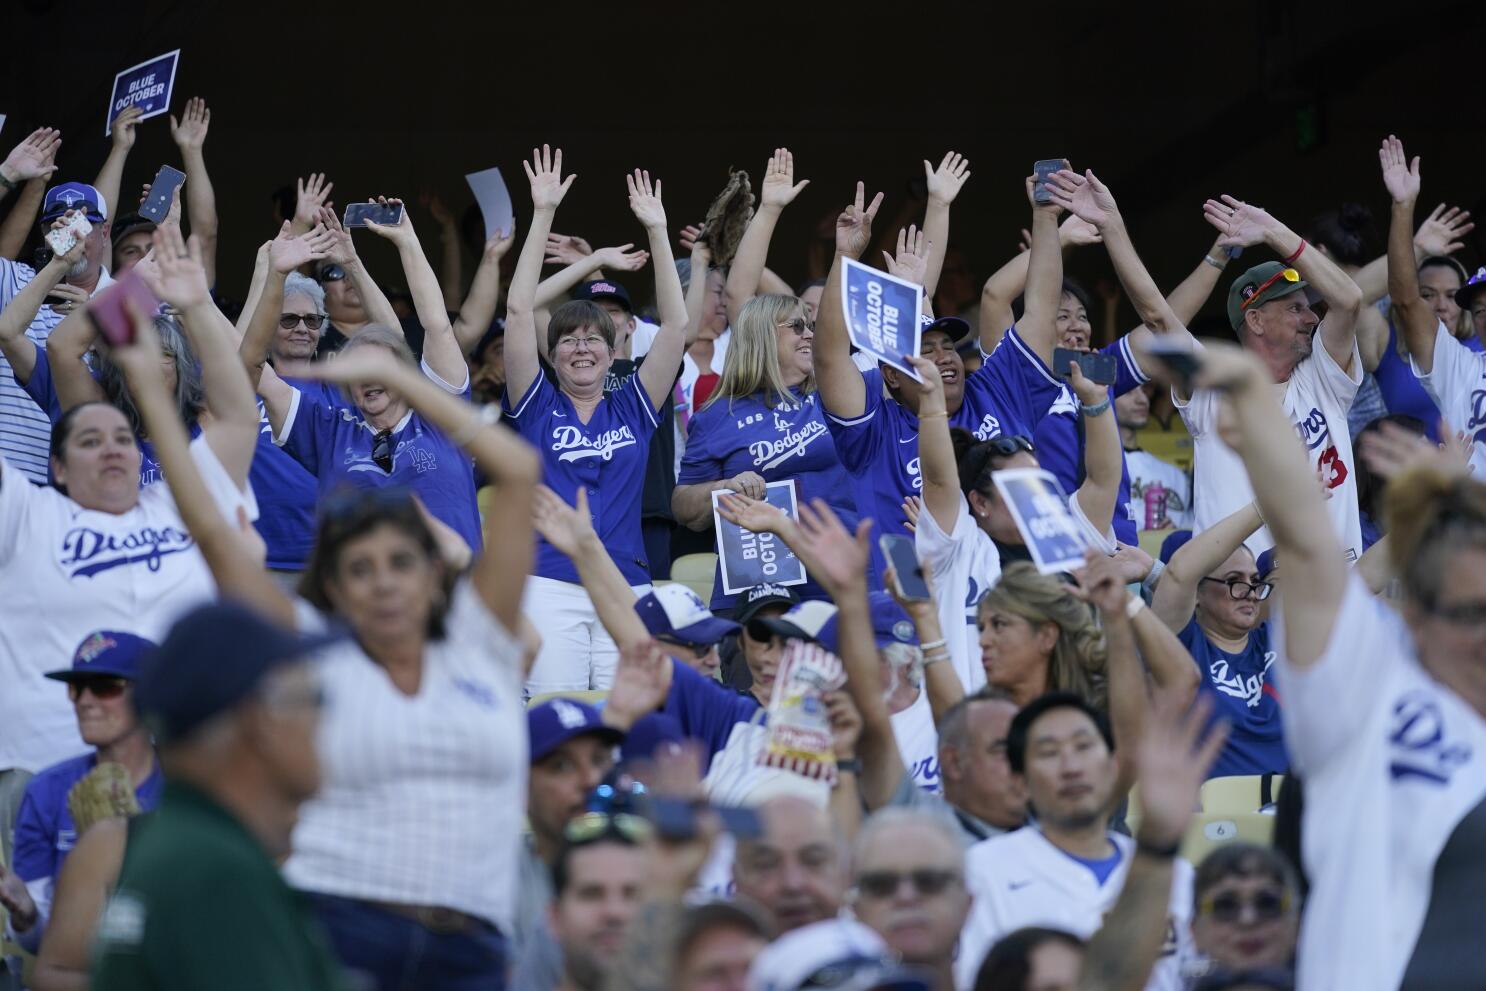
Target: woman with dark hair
(1032,959)
(587,438)
(409,853)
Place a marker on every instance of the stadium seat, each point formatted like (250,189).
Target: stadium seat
(1151,540)
(696,572)
(1209,831)
(591,697)
(1240,793)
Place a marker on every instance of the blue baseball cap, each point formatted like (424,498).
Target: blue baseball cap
(1173,543)
(817,621)
(675,612)
(213,658)
(889,622)
(73,196)
(106,654)
(956,328)
(559,720)
(1264,564)
(605,289)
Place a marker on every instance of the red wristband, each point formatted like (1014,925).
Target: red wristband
(1291,260)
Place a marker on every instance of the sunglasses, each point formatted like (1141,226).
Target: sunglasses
(590,827)
(382,450)
(1239,589)
(1288,274)
(926,882)
(103,689)
(332,273)
(313,321)
(699,648)
(799,325)
(1230,907)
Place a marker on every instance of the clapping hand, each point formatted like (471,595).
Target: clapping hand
(544,171)
(1242,225)
(1400,176)
(912,259)
(946,181)
(854,225)
(565,249)
(33,158)
(564,527)
(190,131)
(779,188)
(644,200)
(1443,231)
(1084,196)
(309,196)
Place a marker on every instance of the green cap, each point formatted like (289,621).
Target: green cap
(1244,289)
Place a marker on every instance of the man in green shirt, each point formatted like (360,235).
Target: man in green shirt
(200,903)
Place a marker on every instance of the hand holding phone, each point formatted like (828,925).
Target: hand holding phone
(63,239)
(908,574)
(1178,360)
(1041,170)
(111,316)
(1096,366)
(165,183)
(384,214)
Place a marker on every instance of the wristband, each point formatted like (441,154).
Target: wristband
(1134,606)
(1159,852)
(849,765)
(1148,587)
(937,657)
(1291,260)
(1096,409)
(930,416)
(1217,263)
(931,645)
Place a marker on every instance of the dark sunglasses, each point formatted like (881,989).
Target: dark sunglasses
(1229,907)
(590,827)
(1005,446)
(700,648)
(799,325)
(331,273)
(103,689)
(926,882)
(288,321)
(382,450)
(1240,589)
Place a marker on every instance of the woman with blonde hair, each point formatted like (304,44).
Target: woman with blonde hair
(1037,637)
(764,423)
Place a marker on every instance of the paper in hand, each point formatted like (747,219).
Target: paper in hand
(147,85)
(883,314)
(1053,535)
(2,122)
(495,201)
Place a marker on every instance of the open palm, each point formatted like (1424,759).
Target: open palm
(564,527)
(544,171)
(1240,224)
(779,188)
(1399,176)
(644,199)
(1084,196)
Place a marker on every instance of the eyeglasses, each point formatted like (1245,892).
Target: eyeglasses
(382,450)
(799,325)
(1229,906)
(1240,589)
(103,689)
(926,882)
(1005,446)
(593,826)
(588,343)
(1288,274)
(288,321)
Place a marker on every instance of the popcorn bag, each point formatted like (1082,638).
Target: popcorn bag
(799,730)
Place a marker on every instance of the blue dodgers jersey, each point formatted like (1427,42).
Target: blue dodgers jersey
(706,710)
(334,443)
(607,456)
(286,491)
(1244,693)
(786,442)
(1056,437)
(1011,390)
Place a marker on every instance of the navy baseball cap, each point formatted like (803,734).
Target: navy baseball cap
(650,733)
(73,196)
(131,224)
(1264,564)
(889,622)
(604,289)
(675,612)
(956,328)
(106,654)
(558,720)
(213,658)
(1475,285)
(1173,543)
(761,597)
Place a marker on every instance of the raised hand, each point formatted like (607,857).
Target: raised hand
(1133,563)
(946,181)
(173,214)
(754,515)
(342,250)
(497,244)
(640,682)
(435,206)
(1239,224)
(1443,231)
(454,550)
(189,132)
(123,127)
(845,721)
(564,527)
(182,276)
(400,233)
(689,238)
(33,158)
(854,225)
(1391,450)
(1075,231)
(912,506)
(564,249)
(1084,196)
(912,258)
(1172,761)
(622,258)
(837,559)
(779,188)
(1101,583)
(544,171)
(288,251)
(1400,176)
(309,196)
(644,200)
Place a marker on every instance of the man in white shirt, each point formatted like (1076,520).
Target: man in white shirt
(1269,310)
(1160,492)
(1066,871)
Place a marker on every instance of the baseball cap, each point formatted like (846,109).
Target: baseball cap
(212,659)
(675,612)
(1473,287)
(496,331)
(956,328)
(557,721)
(1258,286)
(604,289)
(73,196)
(1264,563)
(130,224)
(813,620)
(1173,543)
(841,954)
(106,653)
(1274,978)
(761,597)
(889,622)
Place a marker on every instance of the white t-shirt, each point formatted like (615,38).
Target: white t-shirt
(918,743)
(1021,879)
(422,797)
(1170,505)
(1457,384)
(963,565)
(1316,398)
(66,572)
(1395,809)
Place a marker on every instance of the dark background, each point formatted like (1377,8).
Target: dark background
(1279,103)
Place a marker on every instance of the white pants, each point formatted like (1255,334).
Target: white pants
(577,652)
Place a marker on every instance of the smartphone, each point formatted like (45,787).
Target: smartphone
(1180,361)
(1096,366)
(1043,169)
(63,239)
(908,574)
(358,214)
(108,313)
(162,188)
(677,820)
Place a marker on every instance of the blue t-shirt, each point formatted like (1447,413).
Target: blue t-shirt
(1056,438)
(607,456)
(1007,394)
(1401,390)
(334,443)
(1243,692)
(786,442)
(286,492)
(706,709)
(1101,868)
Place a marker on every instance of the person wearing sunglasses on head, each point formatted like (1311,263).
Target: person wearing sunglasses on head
(598,879)
(1246,914)
(1316,361)
(100,684)
(1212,595)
